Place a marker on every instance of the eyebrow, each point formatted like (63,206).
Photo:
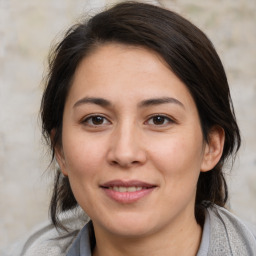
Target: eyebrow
(145,103)
(159,101)
(91,100)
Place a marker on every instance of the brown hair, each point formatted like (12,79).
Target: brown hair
(188,53)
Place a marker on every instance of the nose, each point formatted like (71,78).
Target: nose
(126,147)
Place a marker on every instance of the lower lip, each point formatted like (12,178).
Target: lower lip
(127,197)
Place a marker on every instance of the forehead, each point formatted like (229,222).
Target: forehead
(125,58)
(115,70)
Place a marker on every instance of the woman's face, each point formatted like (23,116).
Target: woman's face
(132,144)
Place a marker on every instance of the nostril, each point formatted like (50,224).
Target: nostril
(114,162)
(126,156)
(124,164)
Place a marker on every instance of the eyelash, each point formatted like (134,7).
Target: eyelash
(89,120)
(166,119)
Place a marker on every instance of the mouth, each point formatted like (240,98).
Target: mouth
(127,191)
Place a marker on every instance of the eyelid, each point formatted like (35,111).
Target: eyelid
(170,120)
(88,117)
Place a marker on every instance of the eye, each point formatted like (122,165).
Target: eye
(96,120)
(159,120)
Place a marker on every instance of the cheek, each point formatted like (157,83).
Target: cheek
(84,161)
(84,156)
(179,158)
(178,161)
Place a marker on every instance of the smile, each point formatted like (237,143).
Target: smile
(127,191)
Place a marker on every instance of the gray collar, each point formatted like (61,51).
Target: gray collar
(223,234)
(81,245)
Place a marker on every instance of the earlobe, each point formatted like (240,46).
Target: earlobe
(213,149)
(59,155)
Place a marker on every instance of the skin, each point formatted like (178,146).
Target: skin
(128,142)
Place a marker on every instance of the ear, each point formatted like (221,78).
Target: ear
(59,155)
(213,149)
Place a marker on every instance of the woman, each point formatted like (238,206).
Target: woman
(138,115)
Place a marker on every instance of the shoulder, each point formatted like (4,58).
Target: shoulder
(47,240)
(229,234)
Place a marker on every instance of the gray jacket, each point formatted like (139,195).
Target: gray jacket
(223,234)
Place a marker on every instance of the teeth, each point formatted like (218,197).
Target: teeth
(125,189)
(131,189)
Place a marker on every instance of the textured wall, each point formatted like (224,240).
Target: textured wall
(27,29)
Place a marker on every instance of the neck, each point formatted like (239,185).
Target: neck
(183,239)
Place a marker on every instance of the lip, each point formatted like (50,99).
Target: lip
(127,183)
(127,197)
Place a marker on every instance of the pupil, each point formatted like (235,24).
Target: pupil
(158,120)
(97,120)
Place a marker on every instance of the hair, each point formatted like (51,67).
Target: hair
(188,53)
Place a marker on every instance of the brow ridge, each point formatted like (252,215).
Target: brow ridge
(145,103)
(93,100)
(159,101)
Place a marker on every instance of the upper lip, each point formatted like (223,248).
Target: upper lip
(128,183)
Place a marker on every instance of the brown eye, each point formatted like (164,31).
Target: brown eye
(96,121)
(159,120)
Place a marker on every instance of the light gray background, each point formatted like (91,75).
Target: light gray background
(28,28)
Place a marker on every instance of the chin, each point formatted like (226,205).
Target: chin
(130,226)
(132,231)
